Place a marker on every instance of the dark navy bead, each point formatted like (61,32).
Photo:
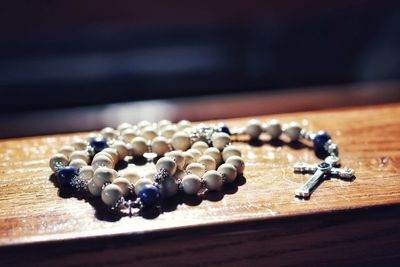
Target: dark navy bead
(149,195)
(66,174)
(98,144)
(320,140)
(223,128)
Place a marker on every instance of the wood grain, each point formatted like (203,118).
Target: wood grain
(252,221)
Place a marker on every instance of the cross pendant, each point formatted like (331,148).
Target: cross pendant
(320,172)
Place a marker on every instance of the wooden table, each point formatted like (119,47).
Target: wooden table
(258,221)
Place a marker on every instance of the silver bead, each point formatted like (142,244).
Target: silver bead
(274,129)
(293,131)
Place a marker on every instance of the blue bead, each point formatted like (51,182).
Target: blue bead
(149,195)
(66,174)
(320,140)
(98,144)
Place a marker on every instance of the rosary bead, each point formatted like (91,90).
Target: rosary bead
(320,139)
(149,133)
(188,158)
(230,151)
(228,171)
(79,144)
(220,140)
(180,141)
(177,156)
(143,124)
(94,189)
(274,129)
(130,173)
(77,163)
(102,161)
(141,183)
(195,153)
(159,145)
(191,184)
(196,168)
(105,154)
(86,173)
(293,131)
(179,174)
(238,162)
(149,195)
(66,174)
(169,187)
(111,195)
(103,175)
(123,126)
(213,180)
(139,146)
(214,153)
(58,161)
(162,124)
(167,164)
(112,152)
(200,146)
(98,144)
(80,155)
(66,150)
(253,129)
(183,124)
(208,162)
(168,131)
(121,148)
(150,174)
(108,133)
(123,184)
(128,135)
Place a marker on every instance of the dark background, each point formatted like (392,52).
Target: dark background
(61,54)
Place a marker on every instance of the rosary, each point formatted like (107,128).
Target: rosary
(188,159)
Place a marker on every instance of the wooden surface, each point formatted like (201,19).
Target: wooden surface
(257,221)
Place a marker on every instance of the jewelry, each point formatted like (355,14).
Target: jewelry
(190,159)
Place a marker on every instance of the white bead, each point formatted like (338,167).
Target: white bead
(108,155)
(57,161)
(125,125)
(121,148)
(130,173)
(293,131)
(191,184)
(188,158)
(196,168)
(200,146)
(169,131)
(220,140)
(123,184)
(112,152)
(180,141)
(149,133)
(195,153)
(139,146)
(79,144)
(183,124)
(111,194)
(94,189)
(86,173)
(143,124)
(128,135)
(179,174)
(91,136)
(141,183)
(169,187)
(77,163)
(80,155)
(274,129)
(159,145)
(253,129)
(150,174)
(214,153)
(108,133)
(213,180)
(228,171)
(66,150)
(208,162)
(102,161)
(238,162)
(167,164)
(230,151)
(103,175)
(178,157)
(163,123)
